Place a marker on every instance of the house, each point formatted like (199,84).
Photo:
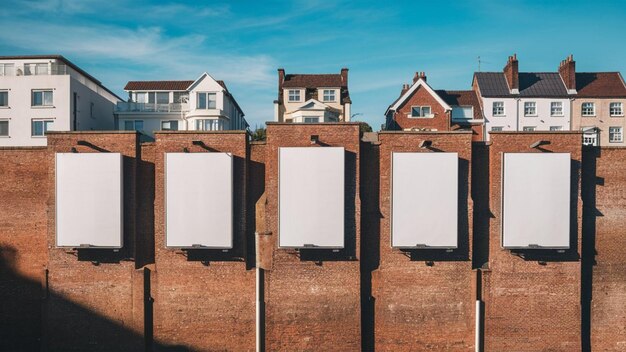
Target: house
(312,98)
(421,108)
(598,107)
(523,101)
(205,104)
(40,93)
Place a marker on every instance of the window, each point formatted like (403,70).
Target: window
(162,98)
(169,125)
(209,125)
(41,98)
(4,128)
(556,128)
(141,97)
(7,69)
(206,100)
(181,97)
(420,111)
(311,119)
(556,108)
(329,95)
(589,109)
(616,135)
(498,108)
(40,127)
(133,125)
(528,128)
(530,108)
(294,95)
(616,109)
(4,98)
(35,69)
(462,112)
(497,129)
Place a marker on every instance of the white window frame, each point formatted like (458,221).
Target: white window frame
(170,122)
(494,107)
(588,113)
(294,95)
(207,101)
(8,121)
(529,128)
(7,100)
(558,112)
(556,128)
(497,128)
(4,67)
(421,115)
(43,98)
(45,123)
(618,105)
(213,125)
(316,118)
(616,131)
(329,95)
(528,105)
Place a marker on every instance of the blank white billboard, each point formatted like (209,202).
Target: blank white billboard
(199,200)
(536,200)
(89,200)
(424,201)
(311,197)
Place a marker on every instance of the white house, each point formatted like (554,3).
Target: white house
(526,101)
(312,98)
(42,93)
(201,105)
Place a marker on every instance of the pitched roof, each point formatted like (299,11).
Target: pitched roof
(157,85)
(312,81)
(531,84)
(405,95)
(462,98)
(600,85)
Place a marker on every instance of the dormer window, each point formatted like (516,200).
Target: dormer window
(294,95)
(329,95)
(421,111)
(206,100)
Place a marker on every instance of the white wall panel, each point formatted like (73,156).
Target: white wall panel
(424,200)
(536,200)
(89,200)
(311,197)
(199,200)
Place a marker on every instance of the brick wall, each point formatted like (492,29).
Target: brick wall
(313,297)
(421,97)
(96,294)
(532,298)
(418,304)
(204,299)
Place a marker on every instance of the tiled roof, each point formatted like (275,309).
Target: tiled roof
(531,84)
(312,81)
(462,98)
(158,85)
(600,85)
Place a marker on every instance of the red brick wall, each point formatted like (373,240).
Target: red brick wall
(532,303)
(313,297)
(604,223)
(210,305)
(421,97)
(96,294)
(417,304)
(23,251)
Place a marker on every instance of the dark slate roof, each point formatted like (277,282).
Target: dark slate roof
(158,85)
(531,84)
(163,85)
(462,98)
(600,85)
(312,81)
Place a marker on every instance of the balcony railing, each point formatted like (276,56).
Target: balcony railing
(151,107)
(40,69)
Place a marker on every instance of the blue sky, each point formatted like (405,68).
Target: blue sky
(382,42)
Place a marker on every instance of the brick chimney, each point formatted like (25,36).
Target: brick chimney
(344,76)
(405,88)
(567,70)
(419,75)
(281,78)
(511,72)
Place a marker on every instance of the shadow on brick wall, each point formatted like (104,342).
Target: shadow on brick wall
(482,212)
(24,326)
